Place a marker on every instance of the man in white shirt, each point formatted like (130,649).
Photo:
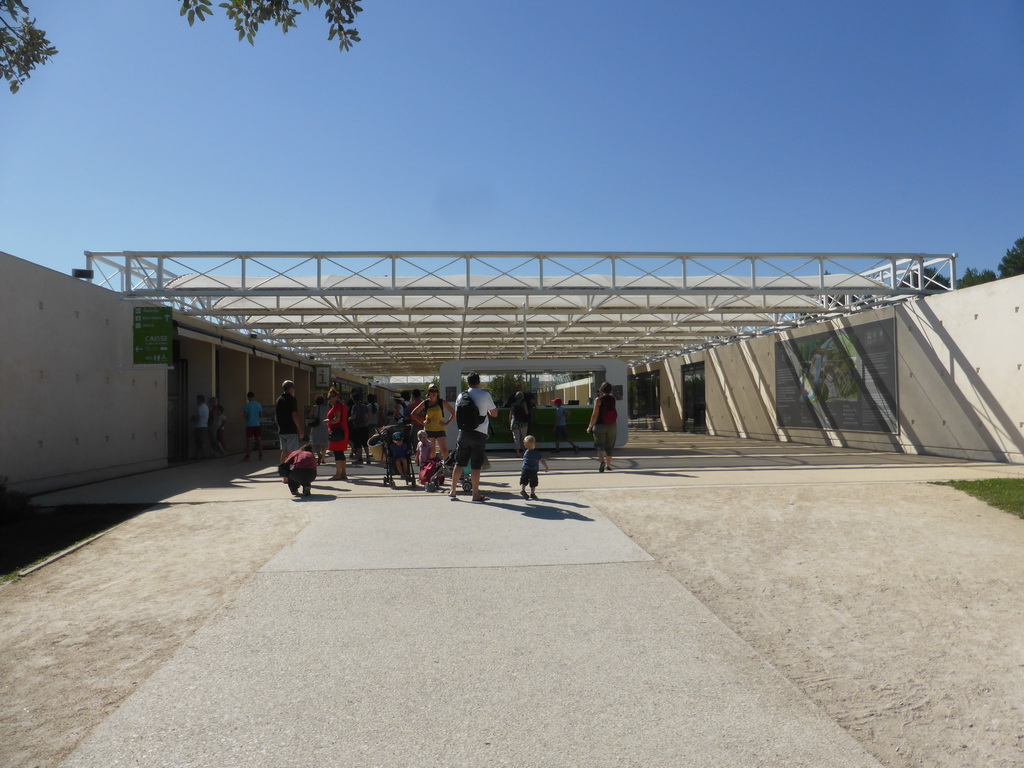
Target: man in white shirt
(472,443)
(202,421)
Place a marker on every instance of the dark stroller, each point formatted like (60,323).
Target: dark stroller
(384,440)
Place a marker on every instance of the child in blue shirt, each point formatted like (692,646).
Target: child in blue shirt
(532,459)
(400,453)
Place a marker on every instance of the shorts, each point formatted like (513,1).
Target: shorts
(435,435)
(562,432)
(255,432)
(289,442)
(472,447)
(604,437)
(528,477)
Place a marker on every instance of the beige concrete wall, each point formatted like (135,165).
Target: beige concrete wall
(74,410)
(71,408)
(234,383)
(960,374)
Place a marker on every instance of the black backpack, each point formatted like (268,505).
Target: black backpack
(519,411)
(467,415)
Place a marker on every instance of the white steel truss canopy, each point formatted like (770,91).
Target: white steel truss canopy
(405,313)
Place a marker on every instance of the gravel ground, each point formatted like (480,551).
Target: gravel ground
(896,608)
(80,635)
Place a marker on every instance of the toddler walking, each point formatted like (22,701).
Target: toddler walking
(532,459)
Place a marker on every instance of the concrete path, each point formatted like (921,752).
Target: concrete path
(401,629)
(420,632)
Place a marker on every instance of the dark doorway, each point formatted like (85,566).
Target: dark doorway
(177,408)
(694,404)
(645,400)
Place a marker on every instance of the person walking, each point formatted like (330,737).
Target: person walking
(318,428)
(562,426)
(289,423)
(337,426)
(435,415)
(201,430)
(213,424)
(532,459)
(414,404)
(472,444)
(253,432)
(603,426)
(374,420)
(359,430)
(520,418)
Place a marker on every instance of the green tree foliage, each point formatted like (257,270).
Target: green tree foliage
(503,386)
(23,46)
(248,15)
(1013,262)
(973,276)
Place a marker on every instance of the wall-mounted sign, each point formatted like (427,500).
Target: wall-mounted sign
(323,376)
(843,379)
(152,331)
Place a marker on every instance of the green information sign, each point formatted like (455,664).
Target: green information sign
(151,336)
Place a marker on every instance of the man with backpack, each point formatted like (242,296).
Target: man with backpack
(519,413)
(473,411)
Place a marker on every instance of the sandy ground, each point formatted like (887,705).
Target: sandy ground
(896,608)
(80,635)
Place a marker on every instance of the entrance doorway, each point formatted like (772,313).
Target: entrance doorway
(177,408)
(694,404)
(645,400)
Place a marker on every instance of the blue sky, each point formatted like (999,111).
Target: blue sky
(665,125)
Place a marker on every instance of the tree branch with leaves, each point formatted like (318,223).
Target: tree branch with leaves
(249,15)
(23,46)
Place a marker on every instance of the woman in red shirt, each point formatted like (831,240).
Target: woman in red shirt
(337,428)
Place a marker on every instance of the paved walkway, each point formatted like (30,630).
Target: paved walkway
(402,629)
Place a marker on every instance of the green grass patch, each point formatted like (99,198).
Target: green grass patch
(34,534)
(1005,493)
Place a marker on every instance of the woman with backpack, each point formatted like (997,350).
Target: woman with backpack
(603,426)
(435,415)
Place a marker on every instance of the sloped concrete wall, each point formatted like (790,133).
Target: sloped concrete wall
(960,378)
(71,410)
(962,373)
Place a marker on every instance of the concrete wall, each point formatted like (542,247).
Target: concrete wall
(72,411)
(960,378)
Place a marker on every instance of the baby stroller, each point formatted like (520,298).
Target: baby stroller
(465,481)
(432,474)
(382,448)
